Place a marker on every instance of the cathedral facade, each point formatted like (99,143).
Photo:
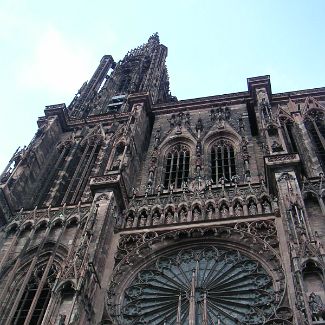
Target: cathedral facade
(130,207)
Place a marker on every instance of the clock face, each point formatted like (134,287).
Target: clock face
(200,285)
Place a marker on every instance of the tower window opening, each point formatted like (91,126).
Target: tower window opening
(222,162)
(26,301)
(177,167)
(316,127)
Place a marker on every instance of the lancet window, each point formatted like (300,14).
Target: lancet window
(70,175)
(177,166)
(287,127)
(35,298)
(316,127)
(223,165)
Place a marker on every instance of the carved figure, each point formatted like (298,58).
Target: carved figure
(276,146)
(198,148)
(210,212)
(129,222)
(187,119)
(266,207)
(183,215)
(155,219)
(252,209)
(317,307)
(199,125)
(116,164)
(143,221)
(157,136)
(212,115)
(172,121)
(238,210)
(196,214)
(222,180)
(169,218)
(224,212)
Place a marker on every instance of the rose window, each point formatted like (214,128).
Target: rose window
(200,286)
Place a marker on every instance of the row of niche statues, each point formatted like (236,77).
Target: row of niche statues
(196,214)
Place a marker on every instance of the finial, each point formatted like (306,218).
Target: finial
(154,37)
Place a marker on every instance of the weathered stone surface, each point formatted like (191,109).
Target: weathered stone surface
(127,185)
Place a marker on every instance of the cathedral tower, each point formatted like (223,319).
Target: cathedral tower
(130,207)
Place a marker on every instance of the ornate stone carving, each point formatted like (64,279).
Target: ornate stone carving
(256,235)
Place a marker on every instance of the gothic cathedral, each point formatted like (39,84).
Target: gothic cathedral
(131,207)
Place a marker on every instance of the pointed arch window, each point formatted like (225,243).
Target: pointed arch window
(287,128)
(35,294)
(314,121)
(222,161)
(177,166)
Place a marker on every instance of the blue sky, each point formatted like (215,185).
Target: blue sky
(49,48)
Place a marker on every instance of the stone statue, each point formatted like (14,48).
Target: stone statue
(172,121)
(276,146)
(116,164)
(266,207)
(235,179)
(157,136)
(143,221)
(159,189)
(209,183)
(169,218)
(212,115)
(184,186)
(252,209)
(62,319)
(129,222)
(196,214)
(155,219)
(187,119)
(317,307)
(199,125)
(210,212)
(198,148)
(224,212)
(183,215)
(238,210)
(222,180)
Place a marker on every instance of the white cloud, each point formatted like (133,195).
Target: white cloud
(58,64)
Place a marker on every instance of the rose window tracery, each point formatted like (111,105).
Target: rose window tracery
(203,285)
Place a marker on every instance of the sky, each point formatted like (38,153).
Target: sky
(49,48)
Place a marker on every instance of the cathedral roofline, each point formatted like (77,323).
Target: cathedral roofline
(242,97)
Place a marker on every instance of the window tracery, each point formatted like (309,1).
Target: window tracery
(30,293)
(177,166)
(223,165)
(201,285)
